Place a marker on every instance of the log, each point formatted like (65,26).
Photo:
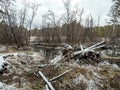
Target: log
(98,47)
(46,80)
(88,49)
(96,44)
(59,76)
(47,88)
(68,54)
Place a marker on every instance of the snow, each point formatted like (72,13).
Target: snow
(80,79)
(91,82)
(67,46)
(104,63)
(91,85)
(115,66)
(2,61)
(7,87)
(88,74)
(57,58)
(2,48)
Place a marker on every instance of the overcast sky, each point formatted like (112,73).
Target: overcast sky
(95,7)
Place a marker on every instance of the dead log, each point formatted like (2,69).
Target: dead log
(47,88)
(46,80)
(98,47)
(88,49)
(96,44)
(88,53)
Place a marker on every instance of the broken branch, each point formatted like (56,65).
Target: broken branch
(45,79)
(57,77)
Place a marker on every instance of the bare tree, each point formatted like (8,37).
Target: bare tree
(55,24)
(23,33)
(34,7)
(69,17)
(80,27)
(88,32)
(97,28)
(9,17)
(13,30)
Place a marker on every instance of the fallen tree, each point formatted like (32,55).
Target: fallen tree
(91,48)
(48,85)
(88,54)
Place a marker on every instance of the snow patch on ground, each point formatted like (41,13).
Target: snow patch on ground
(57,58)
(87,74)
(91,85)
(3,86)
(2,61)
(79,79)
(67,46)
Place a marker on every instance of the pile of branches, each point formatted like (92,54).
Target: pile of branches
(84,55)
(88,57)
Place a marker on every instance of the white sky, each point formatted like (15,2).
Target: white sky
(95,7)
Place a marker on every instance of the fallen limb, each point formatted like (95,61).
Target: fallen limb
(47,82)
(96,44)
(47,88)
(81,47)
(36,74)
(57,77)
(98,47)
(89,48)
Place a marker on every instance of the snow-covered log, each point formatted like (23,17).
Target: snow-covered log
(46,80)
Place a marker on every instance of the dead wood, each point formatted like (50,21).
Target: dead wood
(46,80)
(59,76)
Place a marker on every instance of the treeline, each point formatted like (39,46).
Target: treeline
(16,27)
(78,34)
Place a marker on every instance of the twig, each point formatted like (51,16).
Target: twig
(60,75)
(36,74)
